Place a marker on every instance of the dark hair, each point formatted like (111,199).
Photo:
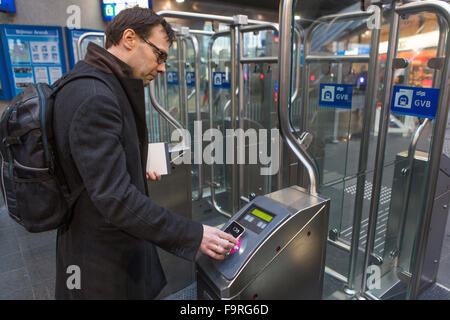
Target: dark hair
(141,20)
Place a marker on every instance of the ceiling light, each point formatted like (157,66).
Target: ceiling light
(297,17)
(179,1)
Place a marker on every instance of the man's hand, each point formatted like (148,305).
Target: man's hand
(153,176)
(216,243)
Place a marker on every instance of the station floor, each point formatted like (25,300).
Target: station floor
(27,263)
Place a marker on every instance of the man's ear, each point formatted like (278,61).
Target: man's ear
(129,39)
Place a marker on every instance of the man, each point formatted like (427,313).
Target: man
(101,138)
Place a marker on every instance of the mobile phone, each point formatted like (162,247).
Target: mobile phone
(235,229)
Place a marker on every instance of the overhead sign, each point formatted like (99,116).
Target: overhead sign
(221,80)
(417,102)
(111,8)
(336,95)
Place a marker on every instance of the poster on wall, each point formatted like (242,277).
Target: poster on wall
(111,8)
(72,36)
(32,54)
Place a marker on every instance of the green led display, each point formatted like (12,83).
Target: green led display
(262,215)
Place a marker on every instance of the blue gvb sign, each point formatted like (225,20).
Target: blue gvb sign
(172,78)
(190,79)
(417,102)
(221,80)
(336,95)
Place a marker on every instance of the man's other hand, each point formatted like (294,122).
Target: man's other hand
(216,243)
(153,176)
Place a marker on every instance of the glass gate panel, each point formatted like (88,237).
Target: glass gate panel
(220,109)
(406,160)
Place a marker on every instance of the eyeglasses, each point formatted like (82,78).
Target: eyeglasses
(161,56)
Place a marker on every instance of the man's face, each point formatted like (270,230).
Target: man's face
(144,58)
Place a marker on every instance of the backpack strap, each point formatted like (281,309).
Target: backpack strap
(71,195)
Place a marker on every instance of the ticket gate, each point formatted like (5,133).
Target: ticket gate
(281,254)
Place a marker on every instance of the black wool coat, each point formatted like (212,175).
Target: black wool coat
(101,139)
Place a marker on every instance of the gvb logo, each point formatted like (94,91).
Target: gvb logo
(374,279)
(327,93)
(403,98)
(74,280)
(217,79)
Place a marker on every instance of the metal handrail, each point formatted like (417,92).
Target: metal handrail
(207,17)
(409,168)
(87,35)
(195,46)
(214,185)
(284,61)
(174,122)
(441,9)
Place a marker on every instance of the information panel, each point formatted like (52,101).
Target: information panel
(32,54)
(72,36)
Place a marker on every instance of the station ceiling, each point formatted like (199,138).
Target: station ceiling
(309,9)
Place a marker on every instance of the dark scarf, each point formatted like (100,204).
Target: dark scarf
(106,62)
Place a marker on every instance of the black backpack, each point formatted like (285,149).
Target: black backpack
(33,185)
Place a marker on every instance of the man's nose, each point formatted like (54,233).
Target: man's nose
(162,68)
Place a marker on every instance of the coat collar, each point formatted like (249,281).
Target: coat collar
(106,62)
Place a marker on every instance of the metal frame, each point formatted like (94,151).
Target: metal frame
(371,59)
(442,10)
(284,100)
(87,35)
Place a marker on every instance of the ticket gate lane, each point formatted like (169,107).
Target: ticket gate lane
(369,104)
(443,10)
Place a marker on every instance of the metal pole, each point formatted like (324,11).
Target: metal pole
(195,45)
(240,67)
(381,143)
(372,89)
(213,185)
(161,110)
(284,59)
(207,17)
(441,9)
(235,192)
(87,35)
(182,82)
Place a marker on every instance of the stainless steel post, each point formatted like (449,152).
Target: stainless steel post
(240,67)
(381,143)
(235,192)
(195,46)
(182,87)
(285,65)
(213,185)
(441,9)
(85,36)
(369,105)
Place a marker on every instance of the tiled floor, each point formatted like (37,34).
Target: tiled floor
(27,261)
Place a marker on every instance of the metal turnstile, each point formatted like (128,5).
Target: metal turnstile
(281,254)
